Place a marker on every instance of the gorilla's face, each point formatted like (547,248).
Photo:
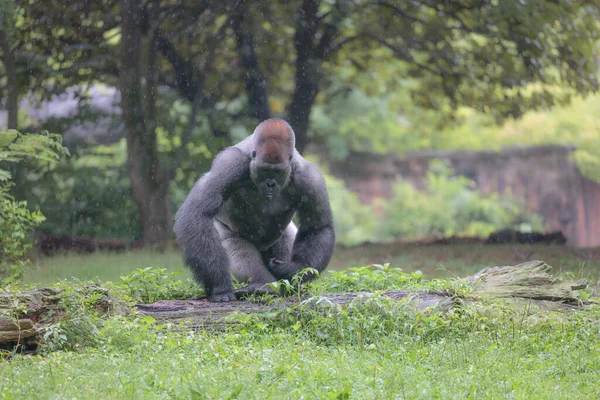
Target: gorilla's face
(269,178)
(270,167)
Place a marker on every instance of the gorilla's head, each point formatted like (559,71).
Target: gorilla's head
(270,167)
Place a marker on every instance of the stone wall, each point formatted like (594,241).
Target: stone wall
(545,177)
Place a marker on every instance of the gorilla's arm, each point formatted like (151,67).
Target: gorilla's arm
(194,223)
(315,239)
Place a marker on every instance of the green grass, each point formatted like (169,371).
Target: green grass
(377,349)
(101,265)
(433,261)
(284,366)
(464,260)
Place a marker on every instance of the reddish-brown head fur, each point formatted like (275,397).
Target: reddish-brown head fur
(275,141)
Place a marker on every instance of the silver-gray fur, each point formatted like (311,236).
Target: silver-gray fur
(227,225)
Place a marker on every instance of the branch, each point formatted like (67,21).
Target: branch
(401,54)
(401,13)
(184,72)
(336,47)
(322,50)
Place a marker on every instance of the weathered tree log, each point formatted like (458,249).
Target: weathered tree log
(201,314)
(23,315)
(530,282)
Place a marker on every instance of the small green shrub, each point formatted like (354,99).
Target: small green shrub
(88,194)
(79,323)
(147,285)
(371,277)
(16,221)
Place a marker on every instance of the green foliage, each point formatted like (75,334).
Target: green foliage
(147,285)
(575,124)
(373,111)
(80,322)
(87,195)
(15,147)
(372,347)
(16,221)
(371,277)
(360,122)
(354,221)
(294,286)
(514,354)
(449,206)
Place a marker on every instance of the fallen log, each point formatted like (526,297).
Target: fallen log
(24,315)
(201,314)
(529,282)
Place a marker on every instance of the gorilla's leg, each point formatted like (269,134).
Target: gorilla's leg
(245,261)
(282,250)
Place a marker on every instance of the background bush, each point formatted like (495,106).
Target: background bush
(16,221)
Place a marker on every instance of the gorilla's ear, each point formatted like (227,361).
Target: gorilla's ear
(254,154)
(291,155)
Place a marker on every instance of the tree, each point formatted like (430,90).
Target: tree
(138,100)
(278,58)
(8,57)
(481,54)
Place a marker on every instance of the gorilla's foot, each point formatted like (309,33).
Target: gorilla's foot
(221,297)
(260,288)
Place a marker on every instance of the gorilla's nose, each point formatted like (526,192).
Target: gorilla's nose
(271,183)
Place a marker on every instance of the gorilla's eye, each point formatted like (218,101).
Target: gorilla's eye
(254,154)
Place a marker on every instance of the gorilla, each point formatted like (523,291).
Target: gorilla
(238,216)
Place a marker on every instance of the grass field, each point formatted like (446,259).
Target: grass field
(373,350)
(433,261)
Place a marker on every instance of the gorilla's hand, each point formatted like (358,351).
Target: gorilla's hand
(286,269)
(260,288)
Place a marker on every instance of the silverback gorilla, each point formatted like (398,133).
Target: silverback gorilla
(238,216)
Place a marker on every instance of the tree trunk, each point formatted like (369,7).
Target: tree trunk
(304,97)
(148,182)
(256,85)
(307,72)
(10,65)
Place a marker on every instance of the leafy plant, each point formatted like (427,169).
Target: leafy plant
(16,221)
(370,277)
(294,286)
(15,147)
(80,323)
(87,195)
(147,285)
(573,124)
